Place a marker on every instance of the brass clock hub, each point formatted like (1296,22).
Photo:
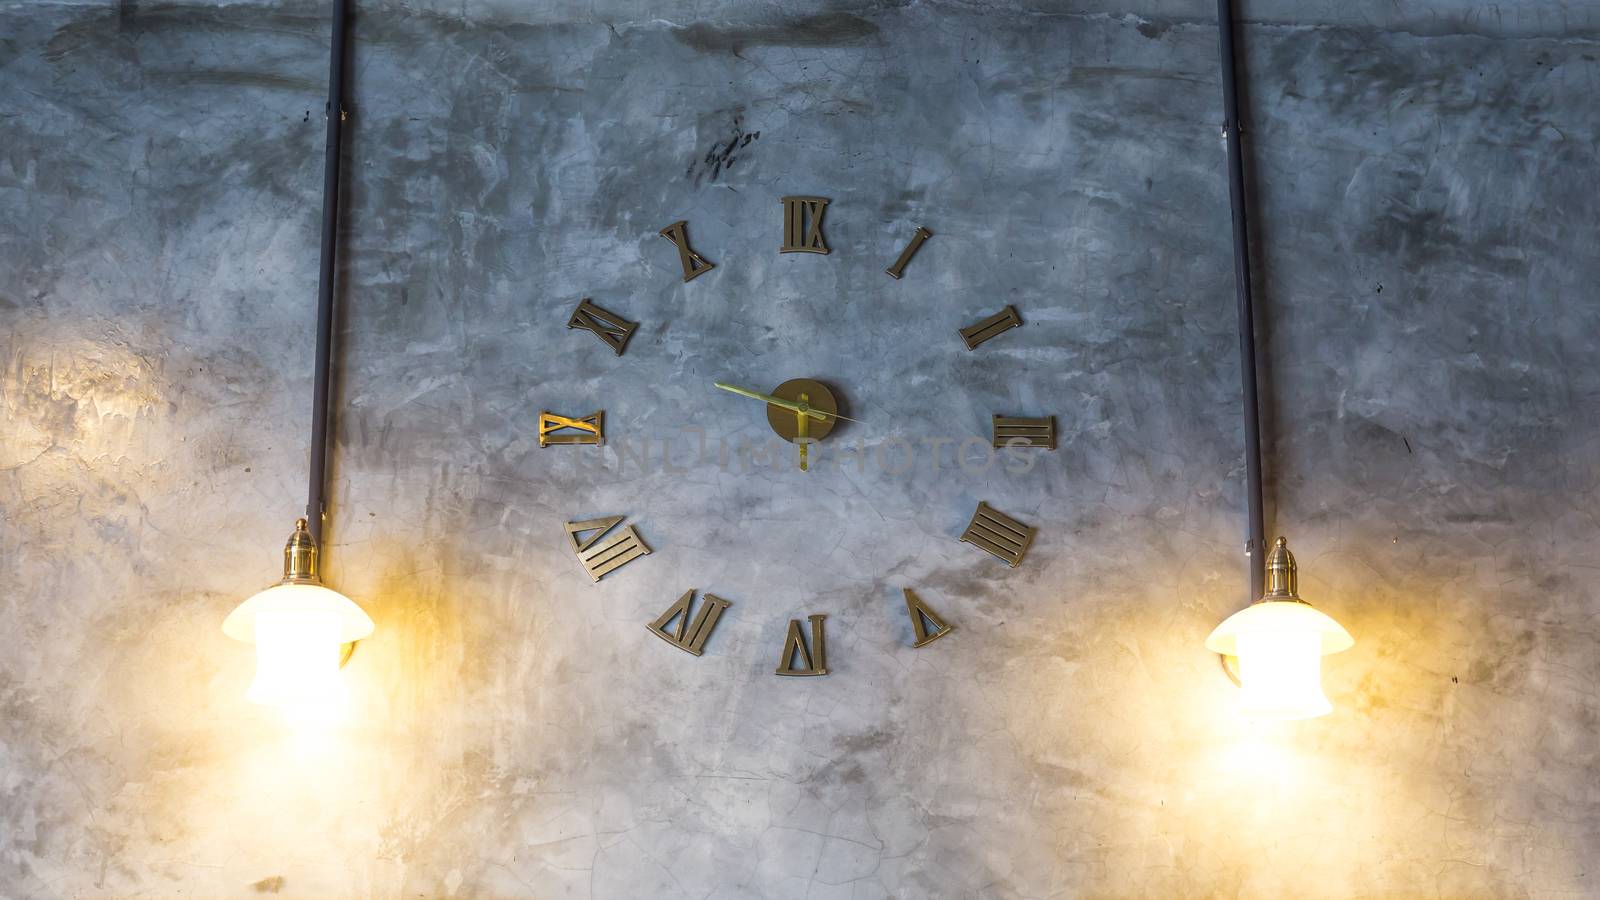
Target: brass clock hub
(793,424)
(800,410)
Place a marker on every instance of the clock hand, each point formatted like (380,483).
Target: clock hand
(792,406)
(803,434)
(775,401)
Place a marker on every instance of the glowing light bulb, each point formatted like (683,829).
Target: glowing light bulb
(297,658)
(1280,642)
(1280,675)
(298,627)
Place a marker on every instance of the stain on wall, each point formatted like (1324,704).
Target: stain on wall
(1426,281)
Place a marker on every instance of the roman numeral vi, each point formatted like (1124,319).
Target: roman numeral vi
(794,647)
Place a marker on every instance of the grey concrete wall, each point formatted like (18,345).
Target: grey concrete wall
(1427,268)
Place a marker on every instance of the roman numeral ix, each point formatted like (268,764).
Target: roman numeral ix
(690,637)
(600,557)
(802,225)
(794,647)
(694,265)
(606,325)
(554,429)
(998,534)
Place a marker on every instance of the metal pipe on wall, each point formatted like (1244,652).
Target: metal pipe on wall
(322,381)
(1256,542)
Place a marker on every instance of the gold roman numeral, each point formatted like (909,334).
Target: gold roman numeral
(694,265)
(999,534)
(590,429)
(899,267)
(922,617)
(1012,432)
(794,646)
(600,557)
(606,325)
(1004,320)
(689,637)
(802,225)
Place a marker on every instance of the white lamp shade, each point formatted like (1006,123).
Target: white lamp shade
(353,622)
(1280,645)
(297,630)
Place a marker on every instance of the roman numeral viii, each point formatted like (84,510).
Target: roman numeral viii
(600,557)
(802,225)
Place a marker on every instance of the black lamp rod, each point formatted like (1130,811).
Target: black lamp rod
(315,506)
(1256,543)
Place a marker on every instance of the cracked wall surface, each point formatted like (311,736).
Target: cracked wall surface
(1425,188)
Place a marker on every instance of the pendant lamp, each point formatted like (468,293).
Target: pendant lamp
(302,630)
(1278,641)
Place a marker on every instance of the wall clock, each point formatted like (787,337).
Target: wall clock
(801,411)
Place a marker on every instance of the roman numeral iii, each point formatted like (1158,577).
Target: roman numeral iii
(606,325)
(694,265)
(1014,432)
(802,225)
(601,557)
(690,637)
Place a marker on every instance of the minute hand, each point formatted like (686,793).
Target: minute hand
(792,406)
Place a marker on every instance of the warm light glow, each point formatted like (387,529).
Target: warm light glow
(297,658)
(298,630)
(1280,645)
(1280,675)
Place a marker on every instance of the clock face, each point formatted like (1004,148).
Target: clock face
(800,411)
